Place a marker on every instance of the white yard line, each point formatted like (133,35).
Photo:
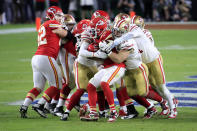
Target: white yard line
(16,31)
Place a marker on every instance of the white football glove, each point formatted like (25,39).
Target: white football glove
(100,54)
(126,45)
(106,46)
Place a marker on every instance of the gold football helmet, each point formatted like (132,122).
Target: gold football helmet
(139,21)
(121,16)
(69,21)
(120,27)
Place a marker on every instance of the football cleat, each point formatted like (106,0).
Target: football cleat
(92,116)
(132,111)
(65,116)
(103,114)
(173,114)
(23,111)
(59,111)
(52,107)
(150,112)
(165,108)
(113,116)
(39,109)
(125,115)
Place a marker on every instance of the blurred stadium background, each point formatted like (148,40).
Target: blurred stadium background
(26,11)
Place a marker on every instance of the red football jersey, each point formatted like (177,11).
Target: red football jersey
(107,35)
(69,46)
(48,42)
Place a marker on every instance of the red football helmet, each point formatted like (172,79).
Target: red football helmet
(54,13)
(101,14)
(97,25)
(81,26)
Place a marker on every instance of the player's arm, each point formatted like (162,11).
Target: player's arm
(62,33)
(132,34)
(119,57)
(83,49)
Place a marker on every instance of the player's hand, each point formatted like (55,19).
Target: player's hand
(106,46)
(100,54)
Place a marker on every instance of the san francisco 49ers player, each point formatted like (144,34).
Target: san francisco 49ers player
(152,58)
(44,63)
(84,67)
(67,56)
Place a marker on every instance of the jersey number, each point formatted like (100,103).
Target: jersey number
(42,36)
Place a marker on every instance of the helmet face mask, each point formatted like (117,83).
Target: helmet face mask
(120,27)
(69,21)
(98,25)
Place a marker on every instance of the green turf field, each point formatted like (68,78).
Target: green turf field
(179,51)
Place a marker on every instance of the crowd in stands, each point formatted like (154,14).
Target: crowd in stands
(26,11)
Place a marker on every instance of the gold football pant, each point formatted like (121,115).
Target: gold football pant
(136,81)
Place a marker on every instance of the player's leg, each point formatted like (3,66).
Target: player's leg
(82,75)
(93,84)
(39,83)
(52,73)
(111,75)
(159,83)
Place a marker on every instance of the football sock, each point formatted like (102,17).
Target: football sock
(64,92)
(120,97)
(168,96)
(92,97)
(31,95)
(75,98)
(50,93)
(101,100)
(109,95)
(153,95)
(142,101)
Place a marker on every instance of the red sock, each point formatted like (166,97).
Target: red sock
(141,100)
(32,94)
(153,95)
(101,100)
(64,92)
(92,96)
(50,93)
(75,98)
(56,97)
(109,95)
(120,97)
(127,99)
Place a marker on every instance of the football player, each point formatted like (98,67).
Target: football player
(151,57)
(104,77)
(67,56)
(84,67)
(44,63)
(157,75)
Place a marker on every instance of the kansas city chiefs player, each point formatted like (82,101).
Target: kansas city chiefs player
(44,61)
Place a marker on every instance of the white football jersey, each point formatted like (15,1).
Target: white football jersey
(84,54)
(134,59)
(147,49)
